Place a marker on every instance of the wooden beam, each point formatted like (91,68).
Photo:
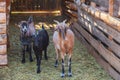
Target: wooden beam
(104,3)
(113,22)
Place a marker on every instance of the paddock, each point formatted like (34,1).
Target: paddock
(95,25)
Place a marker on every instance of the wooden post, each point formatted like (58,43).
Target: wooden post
(111,9)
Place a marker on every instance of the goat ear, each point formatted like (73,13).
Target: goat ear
(56,21)
(30,19)
(65,21)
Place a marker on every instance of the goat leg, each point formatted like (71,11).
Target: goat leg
(30,54)
(45,54)
(63,71)
(23,55)
(69,70)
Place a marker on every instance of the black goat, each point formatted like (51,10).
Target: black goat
(40,43)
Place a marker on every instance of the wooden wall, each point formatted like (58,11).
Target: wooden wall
(3,36)
(36,5)
(99,30)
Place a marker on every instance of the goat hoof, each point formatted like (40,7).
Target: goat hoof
(46,58)
(56,65)
(38,71)
(70,74)
(23,61)
(31,60)
(62,75)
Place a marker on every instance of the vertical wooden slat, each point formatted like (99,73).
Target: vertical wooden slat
(111,3)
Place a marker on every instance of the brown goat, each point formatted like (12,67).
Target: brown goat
(63,39)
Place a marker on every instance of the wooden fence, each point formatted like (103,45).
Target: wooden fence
(99,30)
(3,36)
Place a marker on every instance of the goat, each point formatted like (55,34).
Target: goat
(63,39)
(40,43)
(27,30)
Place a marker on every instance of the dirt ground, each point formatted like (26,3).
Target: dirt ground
(84,66)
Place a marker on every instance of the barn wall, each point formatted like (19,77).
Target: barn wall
(99,30)
(3,36)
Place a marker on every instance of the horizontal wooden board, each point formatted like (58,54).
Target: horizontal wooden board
(112,21)
(3,59)
(3,49)
(104,3)
(101,25)
(2,17)
(97,33)
(108,55)
(2,6)
(3,39)
(3,26)
(2,30)
(98,58)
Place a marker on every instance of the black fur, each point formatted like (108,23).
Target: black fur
(40,43)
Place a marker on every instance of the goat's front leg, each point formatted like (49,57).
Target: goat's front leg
(69,65)
(39,57)
(23,54)
(30,54)
(63,65)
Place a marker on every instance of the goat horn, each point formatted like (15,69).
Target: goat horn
(56,21)
(64,21)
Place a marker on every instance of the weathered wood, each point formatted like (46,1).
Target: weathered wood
(116,7)
(2,30)
(113,22)
(107,67)
(3,39)
(3,49)
(111,3)
(103,3)
(109,56)
(2,7)
(2,17)
(71,5)
(102,26)
(97,33)
(3,59)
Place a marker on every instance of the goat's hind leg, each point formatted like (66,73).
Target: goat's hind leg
(56,61)
(45,54)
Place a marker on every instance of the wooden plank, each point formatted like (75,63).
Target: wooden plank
(2,17)
(3,49)
(109,56)
(3,39)
(98,58)
(113,22)
(103,3)
(97,33)
(2,7)
(3,60)
(116,7)
(102,26)
(2,30)
(2,26)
